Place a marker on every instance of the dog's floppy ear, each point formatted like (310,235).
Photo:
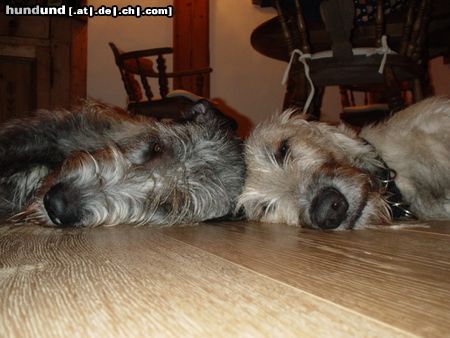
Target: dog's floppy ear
(205,113)
(201,107)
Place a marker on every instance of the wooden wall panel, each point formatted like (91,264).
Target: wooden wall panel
(43,62)
(17,82)
(191,40)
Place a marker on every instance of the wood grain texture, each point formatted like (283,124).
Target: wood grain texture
(191,42)
(235,279)
(400,277)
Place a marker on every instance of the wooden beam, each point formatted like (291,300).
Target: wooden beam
(191,41)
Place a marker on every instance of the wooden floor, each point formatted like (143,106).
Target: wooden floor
(213,280)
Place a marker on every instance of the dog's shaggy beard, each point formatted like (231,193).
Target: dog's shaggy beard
(283,185)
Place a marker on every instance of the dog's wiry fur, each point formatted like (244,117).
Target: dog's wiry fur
(316,175)
(99,165)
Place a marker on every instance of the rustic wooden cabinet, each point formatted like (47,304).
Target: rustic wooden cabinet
(42,63)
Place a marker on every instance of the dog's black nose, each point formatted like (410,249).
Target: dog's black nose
(328,208)
(61,205)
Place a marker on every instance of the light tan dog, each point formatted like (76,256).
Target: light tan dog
(316,175)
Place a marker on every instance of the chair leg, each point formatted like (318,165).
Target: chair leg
(345,101)
(297,88)
(417,90)
(393,91)
(314,109)
(297,92)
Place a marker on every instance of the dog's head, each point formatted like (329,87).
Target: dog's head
(162,174)
(311,174)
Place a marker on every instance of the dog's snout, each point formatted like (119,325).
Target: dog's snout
(328,208)
(61,205)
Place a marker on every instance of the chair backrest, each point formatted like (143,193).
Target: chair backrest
(136,67)
(338,16)
(363,68)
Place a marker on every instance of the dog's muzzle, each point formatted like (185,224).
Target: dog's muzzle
(328,208)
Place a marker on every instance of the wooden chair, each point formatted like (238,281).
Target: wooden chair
(137,67)
(350,68)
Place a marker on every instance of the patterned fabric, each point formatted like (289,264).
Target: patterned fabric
(365,10)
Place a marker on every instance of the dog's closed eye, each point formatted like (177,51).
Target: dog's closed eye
(267,208)
(282,151)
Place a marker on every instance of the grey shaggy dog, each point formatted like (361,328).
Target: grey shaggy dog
(325,177)
(100,166)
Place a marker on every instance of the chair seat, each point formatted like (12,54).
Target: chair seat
(360,70)
(171,108)
(360,51)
